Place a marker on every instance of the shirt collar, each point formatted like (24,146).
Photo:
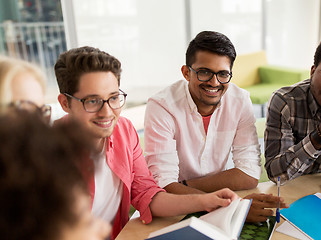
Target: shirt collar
(191,103)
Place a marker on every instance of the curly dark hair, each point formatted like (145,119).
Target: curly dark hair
(213,42)
(72,64)
(317,55)
(39,173)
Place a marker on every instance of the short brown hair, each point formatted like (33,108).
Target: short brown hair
(39,173)
(72,64)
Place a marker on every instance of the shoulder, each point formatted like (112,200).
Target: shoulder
(237,102)
(124,134)
(296,91)
(235,89)
(171,94)
(236,93)
(290,98)
(124,125)
(124,131)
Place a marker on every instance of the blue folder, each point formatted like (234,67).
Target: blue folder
(305,214)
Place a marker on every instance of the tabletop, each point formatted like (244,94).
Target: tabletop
(290,191)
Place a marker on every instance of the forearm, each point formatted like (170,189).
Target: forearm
(166,204)
(233,179)
(179,188)
(293,161)
(315,138)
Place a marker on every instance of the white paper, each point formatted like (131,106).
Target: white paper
(318,195)
(288,229)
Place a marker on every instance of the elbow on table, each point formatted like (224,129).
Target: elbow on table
(251,183)
(269,172)
(271,177)
(245,182)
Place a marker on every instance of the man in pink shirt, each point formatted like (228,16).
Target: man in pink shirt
(192,126)
(89,81)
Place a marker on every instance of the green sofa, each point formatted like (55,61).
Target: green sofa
(254,74)
(273,78)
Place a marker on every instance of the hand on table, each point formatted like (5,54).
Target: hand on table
(261,204)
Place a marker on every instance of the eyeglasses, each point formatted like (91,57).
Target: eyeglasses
(44,110)
(94,104)
(204,75)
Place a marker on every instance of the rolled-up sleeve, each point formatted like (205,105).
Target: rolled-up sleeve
(246,149)
(160,144)
(143,186)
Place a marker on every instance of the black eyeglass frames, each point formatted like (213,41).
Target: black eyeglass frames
(204,75)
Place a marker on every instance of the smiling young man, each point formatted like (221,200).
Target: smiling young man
(89,81)
(192,126)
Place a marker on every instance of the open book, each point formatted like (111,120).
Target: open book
(305,215)
(224,223)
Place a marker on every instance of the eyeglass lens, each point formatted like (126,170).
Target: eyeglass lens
(205,75)
(94,104)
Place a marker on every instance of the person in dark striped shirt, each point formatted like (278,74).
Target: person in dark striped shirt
(293,129)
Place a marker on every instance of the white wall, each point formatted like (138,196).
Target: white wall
(149,36)
(292,32)
(239,20)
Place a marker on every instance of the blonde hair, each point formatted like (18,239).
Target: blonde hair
(9,69)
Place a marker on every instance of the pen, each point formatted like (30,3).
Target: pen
(278,206)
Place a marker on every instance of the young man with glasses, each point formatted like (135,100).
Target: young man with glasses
(89,82)
(192,126)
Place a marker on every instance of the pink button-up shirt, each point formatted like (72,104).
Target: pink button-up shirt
(125,158)
(177,147)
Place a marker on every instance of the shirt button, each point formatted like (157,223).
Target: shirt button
(143,221)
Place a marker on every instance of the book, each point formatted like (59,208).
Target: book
(224,223)
(305,215)
(259,230)
(250,230)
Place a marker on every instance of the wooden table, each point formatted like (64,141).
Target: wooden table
(291,191)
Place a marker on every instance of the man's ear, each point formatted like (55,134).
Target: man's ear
(64,102)
(312,71)
(186,72)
